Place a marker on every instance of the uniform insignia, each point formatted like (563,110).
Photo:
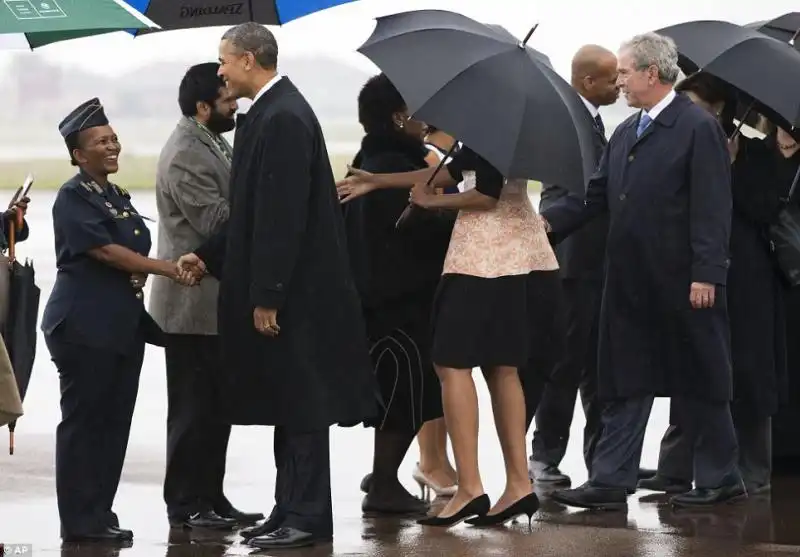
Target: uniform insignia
(113,211)
(108,204)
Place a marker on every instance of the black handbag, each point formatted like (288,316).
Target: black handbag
(785,237)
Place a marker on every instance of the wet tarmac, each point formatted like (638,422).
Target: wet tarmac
(29,519)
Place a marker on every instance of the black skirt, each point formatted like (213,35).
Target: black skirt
(481,322)
(408,384)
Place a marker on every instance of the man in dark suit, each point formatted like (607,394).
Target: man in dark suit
(580,258)
(664,180)
(290,320)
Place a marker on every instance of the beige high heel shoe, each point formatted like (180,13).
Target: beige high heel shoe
(426,485)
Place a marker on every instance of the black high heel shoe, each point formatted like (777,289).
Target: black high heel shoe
(477,507)
(528,506)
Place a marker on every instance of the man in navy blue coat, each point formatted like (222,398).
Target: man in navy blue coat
(664,181)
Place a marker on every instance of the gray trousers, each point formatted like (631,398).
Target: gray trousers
(707,426)
(755,450)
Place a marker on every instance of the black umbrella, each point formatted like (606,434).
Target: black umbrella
(784,28)
(482,85)
(765,69)
(19,332)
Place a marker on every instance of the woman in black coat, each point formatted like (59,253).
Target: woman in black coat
(755,305)
(397,270)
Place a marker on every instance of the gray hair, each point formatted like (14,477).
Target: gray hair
(652,49)
(256,39)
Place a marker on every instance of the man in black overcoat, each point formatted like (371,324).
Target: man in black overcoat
(290,320)
(580,259)
(664,181)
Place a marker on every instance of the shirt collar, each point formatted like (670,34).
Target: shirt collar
(593,110)
(661,105)
(267,87)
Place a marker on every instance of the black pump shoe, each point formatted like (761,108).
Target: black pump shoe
(527,506)
(477,507)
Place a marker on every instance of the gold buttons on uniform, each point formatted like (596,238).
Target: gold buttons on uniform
(136,232)
(139,294)
(126,214)
(630,158)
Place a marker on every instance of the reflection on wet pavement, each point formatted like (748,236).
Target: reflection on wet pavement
(28,513)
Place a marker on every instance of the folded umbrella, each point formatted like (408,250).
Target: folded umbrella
(10,400)
(19,332)
(188,14)
(30,24)
(765,69)
(494,93)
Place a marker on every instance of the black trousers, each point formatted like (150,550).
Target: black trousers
(577,371)
(754,433)
(98,396)
(303,481)
(197,439)
(709,428)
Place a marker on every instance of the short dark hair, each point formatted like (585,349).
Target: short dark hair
(73,142)
(200,84)
(256,39)
(378,100)
(706,86)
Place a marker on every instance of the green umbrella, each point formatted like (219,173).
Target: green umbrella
(35,23)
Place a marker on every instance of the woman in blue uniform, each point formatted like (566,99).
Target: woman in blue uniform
(96,326)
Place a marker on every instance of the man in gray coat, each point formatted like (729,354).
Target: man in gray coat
(192,194)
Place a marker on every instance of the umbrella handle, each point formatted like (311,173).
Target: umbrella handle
(441,165)
(743,119)
(11,441)
(12,233)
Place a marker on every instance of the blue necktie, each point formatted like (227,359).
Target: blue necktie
(644,121)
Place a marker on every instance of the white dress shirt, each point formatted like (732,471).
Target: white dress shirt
(661,105)
(267,87)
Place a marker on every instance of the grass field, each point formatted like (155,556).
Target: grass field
(136,173)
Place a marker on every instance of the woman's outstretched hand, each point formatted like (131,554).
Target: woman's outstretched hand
(358,183)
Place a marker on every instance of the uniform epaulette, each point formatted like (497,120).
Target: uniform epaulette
(123,192)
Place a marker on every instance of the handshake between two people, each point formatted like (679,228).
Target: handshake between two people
(190,270)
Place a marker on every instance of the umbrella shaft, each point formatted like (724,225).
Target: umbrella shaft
(794,184)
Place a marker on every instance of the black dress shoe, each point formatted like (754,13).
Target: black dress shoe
(527,506)
(665,484)
(107,534)
(704,497)
(402,505)
(268,526)
(207,520)
(239,516)
(588,496)
(477,507)
(283,538)
(127,533)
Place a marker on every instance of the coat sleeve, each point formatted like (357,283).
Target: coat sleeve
(281,208)
(212,252)
(710,203)
(195,190)
(5,227)
(572,211)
